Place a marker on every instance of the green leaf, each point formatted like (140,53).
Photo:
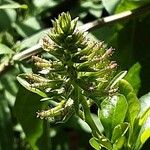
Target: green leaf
(28,27)
(133,102)
(125,5)
(26,106)
(97,122)
(13,6)
(77,123)
(6,131)
(7,17)
(110,5)
(116,79)
(5,49)
(144,117)
(8,90)
(93,142)
(144,134)
(119,144)
(145,104)
(146,131)
(99,142)
(119,131)
(28,87)
(133,77)
(111,113)
(9,85)
(45,3)
(7,38)
(31,40)
(94,7)
(96,12)
(119,115)
(104,142)
(145,109)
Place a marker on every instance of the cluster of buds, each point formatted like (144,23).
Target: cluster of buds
(75,60)
(61,112)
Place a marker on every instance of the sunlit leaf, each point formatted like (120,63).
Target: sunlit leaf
(144,117)
(133,103)
(32,40)
(25,29)
(119,131)
(117,78)
(94,144)
(127,5)
(110,5)
(43,5)
(133,76)
(93,7)
(120,143)
(104,142)
(98,143)
(111,113)
(97,122)
(5,49)
(144,134)
(13,6)
(28,87)
(145,104)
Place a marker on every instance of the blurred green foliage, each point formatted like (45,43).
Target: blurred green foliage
(22,24)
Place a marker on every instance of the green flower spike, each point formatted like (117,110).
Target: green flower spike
(78,67)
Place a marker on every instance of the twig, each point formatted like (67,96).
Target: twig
(115,18)
(27,53)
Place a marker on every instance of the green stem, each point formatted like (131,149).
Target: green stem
(87,114)
(88,118)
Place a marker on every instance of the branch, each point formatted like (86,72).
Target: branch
(115,18)
(27,53)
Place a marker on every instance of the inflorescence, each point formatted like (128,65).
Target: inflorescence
(75,61)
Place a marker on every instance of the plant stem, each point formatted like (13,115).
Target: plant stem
(88,118)
(86,114)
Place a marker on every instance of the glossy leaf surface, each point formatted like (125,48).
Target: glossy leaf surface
(111,113)
(133,102)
